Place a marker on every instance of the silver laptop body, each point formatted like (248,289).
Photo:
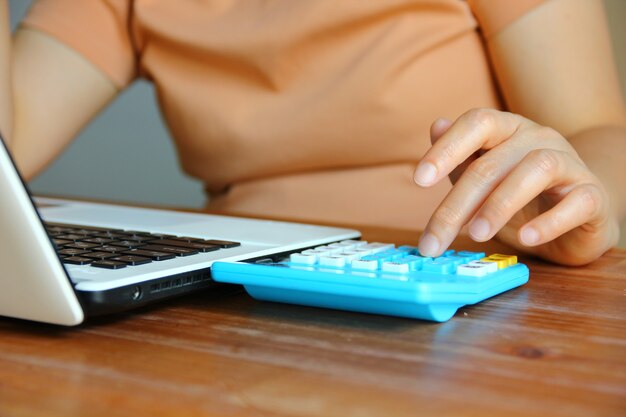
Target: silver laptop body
(35,284)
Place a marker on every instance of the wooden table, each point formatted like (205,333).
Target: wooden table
(554,347)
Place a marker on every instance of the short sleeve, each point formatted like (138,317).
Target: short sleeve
(495,15)
(96,29)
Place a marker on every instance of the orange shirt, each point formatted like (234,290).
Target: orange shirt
(309,109)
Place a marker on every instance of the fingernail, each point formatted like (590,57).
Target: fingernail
(480,229)
(425,174)
(429,245)
(529,236)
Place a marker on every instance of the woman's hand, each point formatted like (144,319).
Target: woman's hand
(519,181)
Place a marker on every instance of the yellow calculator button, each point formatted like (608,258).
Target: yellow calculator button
(502,263)
(511,259)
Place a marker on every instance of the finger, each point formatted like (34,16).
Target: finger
(540,170)
(474,130)
(438,128)
(478,181)
(582,205)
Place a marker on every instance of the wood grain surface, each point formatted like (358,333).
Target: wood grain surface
(554,347)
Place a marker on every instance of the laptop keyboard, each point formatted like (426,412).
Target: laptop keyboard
(116,248)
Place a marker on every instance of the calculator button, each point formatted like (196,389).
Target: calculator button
(378,247)
(439,266)
(449,252)
(454,260)
(490,267)
(398,267)
(316,252)
(511,259)
(351,255)
(475,256)
(415,262)
(329,249)
(502,263)
(412,250)
(345,245)
(336,261)
(365,264)
(472,270)
(300,258)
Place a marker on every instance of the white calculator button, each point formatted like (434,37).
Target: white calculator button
(328,249)
(336,261)
(350,255)
(377,247)
(346,244)
(300,258)
(316,252)
(370,265)
(490,267)
(401,268)
(471,270)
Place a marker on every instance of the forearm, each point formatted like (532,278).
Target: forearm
(6,90)
(604,151)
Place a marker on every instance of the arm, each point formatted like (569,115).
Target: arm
(48,93)
(536,190)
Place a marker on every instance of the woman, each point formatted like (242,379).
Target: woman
(318,110)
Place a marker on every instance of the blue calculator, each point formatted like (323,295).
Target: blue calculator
(378,278)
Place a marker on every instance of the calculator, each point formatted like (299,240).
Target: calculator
(379,278)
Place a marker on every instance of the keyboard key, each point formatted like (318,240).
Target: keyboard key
(224,244)
(129,244)
(82,245)
(99,255)
(201,247)
(112,249)
(160,236)
(72,252)
(139,238)
(61,242)
(73,237)
(98,240)
(154,255)
(131,260)
(77,260)
(171,249)
(109,264)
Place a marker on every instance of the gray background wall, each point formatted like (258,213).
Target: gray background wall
(147,170)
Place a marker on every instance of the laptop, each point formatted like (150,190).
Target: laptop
(64,260)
